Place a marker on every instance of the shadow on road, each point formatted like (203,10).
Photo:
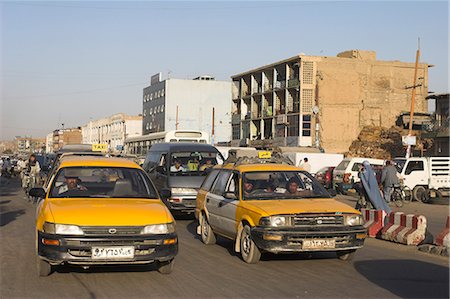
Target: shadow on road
(4,202)
(406,279)
(106,268)
(9,216)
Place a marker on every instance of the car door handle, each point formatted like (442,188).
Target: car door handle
(221,204)
(207,200)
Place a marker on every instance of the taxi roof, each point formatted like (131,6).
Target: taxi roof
(261,167)
(74,161)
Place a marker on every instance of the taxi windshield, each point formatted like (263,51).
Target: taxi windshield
(281,185)
(102,182)
(193,163)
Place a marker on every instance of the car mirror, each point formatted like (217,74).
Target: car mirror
(166,193)
(229,195)
(332,192)
(37,192)
(160,169)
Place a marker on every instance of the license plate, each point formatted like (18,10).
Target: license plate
(189,202)
(319,244)
(116,252)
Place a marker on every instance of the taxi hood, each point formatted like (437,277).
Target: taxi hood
(297,206)
(111,211)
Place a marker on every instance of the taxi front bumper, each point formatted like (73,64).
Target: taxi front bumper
(295,239)
(78,249)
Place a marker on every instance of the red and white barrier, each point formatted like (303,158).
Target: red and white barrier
(406,229)
(443,239)
(373,221)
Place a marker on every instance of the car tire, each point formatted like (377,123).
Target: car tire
(207,234)
(420,194)
(43,267)
(166,267)
(346,255)
(249,251)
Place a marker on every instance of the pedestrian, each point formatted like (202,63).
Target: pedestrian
(305,165)
(388,180)
(32,171)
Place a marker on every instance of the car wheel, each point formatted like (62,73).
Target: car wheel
(208,236)
(43,267)
(166,267)
(420,194)
(249,251)
(346,255)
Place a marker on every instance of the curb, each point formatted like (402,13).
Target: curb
(434,249)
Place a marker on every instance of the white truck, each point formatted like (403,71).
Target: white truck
(427,174)
(316,160)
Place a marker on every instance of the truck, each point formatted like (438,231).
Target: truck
(316,160)
(426,175)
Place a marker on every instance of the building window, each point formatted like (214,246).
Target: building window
(162,92)
(146,126)
(306,125)
(236,132)
(145,112)
(151,96)
(162,108)
(293,126)
(151,111)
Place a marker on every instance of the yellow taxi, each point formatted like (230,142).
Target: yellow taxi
(267,205)
(102,211)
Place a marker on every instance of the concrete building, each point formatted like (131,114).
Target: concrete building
(62,137)
(112,130)
(29,144)
(322,101)
(441,131)
(49,143)
(195,100)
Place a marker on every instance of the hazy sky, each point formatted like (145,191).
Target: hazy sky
(69,62)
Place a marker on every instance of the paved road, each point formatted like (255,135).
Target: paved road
(380,269)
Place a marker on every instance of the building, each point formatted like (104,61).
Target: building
(440,132)
(182,104)
(49,143)
(29,144)
(322,101)
(112,130)
(62,137)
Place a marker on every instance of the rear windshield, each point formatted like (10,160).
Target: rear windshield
(343,165)
(102,182)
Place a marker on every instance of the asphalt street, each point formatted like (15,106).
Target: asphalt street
(380,270)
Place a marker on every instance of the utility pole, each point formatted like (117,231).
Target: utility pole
(176,121)
(413,97)
(212,128)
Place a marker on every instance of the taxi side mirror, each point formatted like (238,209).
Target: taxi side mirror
(37,192)
(166,194)
(229,195)
(160,169)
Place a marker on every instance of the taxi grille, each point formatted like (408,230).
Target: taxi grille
(318,220)
(111,230)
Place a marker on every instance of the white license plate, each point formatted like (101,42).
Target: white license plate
(319,244)
(116,252)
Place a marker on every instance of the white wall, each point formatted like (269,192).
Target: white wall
(195,100)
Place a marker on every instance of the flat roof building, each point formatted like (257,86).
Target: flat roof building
(322,101)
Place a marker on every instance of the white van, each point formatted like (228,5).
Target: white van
(346,172)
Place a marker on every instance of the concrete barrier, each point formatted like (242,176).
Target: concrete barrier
(373,221)
(405,229)
(443,239)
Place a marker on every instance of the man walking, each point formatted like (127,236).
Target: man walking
(388,180)
(305,165)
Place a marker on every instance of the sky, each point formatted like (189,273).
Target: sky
(72,62)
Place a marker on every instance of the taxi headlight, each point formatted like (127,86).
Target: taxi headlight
(183,191)
(353,220)
(275,221)
(62,229)
(158,229)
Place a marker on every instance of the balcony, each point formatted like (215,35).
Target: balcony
(280,84)
(257,90)
(235,118)
(294,82)
(267,87)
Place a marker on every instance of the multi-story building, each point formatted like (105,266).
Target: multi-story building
(29,144)
(187,105)
(441,131)
(322,101)
(49,143)
(112,130)
(62,137)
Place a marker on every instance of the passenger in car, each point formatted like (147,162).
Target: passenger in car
(292,188)
(177,167)
(71,183)
(248,187)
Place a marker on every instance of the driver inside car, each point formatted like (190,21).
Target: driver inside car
(71,183)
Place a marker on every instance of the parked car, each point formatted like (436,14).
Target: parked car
(194,161)
(267,206)
(102,211)
(345,175)
(325,177)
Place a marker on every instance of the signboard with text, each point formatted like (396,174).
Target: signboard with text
(99,147)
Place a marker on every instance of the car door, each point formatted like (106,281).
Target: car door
(159,178)
(227,207)
(214,200)
(415,174)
